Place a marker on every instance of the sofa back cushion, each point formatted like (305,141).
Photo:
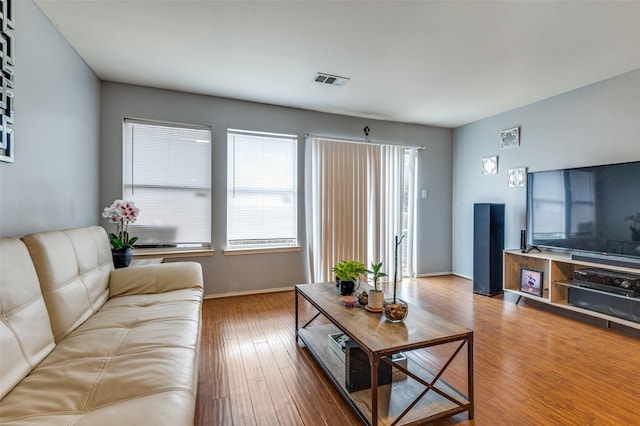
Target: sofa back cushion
(73,267)
(25,331)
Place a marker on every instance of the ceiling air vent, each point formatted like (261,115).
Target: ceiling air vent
(334,80)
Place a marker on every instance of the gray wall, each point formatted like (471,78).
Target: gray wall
(230,274)
(53,182)
(597,124)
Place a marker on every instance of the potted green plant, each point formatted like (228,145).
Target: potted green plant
(347,273)
(122,213)
(395,310)
(375,296)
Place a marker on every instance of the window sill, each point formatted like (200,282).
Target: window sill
(236,252)
(165,252)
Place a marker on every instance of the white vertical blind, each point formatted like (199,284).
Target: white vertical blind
(388,217)
(167,173)
(337,207)
(355,195)
(262,207)
(409,223)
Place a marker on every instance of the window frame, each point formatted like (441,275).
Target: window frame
(175,246)
(267,247)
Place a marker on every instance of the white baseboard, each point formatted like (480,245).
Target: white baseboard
(281,289)
(248,293)
(433,274)
(462,276)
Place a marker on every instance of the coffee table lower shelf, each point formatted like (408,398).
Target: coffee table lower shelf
(393,398)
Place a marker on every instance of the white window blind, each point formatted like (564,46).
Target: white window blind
(167,173)
(261,190)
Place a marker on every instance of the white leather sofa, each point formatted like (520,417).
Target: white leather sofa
(84,344)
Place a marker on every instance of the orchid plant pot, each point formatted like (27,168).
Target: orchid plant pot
(122,213)
(395,311)
(122,257)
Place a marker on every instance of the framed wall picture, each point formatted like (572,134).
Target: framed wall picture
(510,138)
(7,48)
(490,165)
(517,178)
(531,281)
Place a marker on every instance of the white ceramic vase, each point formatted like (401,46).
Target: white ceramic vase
(375,299)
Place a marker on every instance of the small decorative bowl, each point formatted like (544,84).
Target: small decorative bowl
(349,301)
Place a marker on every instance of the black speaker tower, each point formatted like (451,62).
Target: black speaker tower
(488,244)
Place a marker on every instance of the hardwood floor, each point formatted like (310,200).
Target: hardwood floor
(532,366)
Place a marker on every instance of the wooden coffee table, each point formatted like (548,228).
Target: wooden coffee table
(422,396)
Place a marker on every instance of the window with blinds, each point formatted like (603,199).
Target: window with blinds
(261,190)
(167,173)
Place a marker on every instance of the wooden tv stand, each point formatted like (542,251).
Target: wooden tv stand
(557,278)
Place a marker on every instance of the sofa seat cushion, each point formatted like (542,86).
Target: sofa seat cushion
(135,361)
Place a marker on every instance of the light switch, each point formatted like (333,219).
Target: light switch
(424,193)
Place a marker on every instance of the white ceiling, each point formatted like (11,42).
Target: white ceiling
(443,63)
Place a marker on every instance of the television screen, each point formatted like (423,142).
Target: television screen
(589,209)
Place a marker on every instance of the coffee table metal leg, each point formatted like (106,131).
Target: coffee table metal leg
(374,360)
(296,295)
(297,327)
(470,374)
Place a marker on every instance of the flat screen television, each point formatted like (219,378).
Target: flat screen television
(593,210)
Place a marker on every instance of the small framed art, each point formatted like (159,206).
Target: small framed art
(510,138)
(7,63)
(490,165)
(531,281)
(517,178)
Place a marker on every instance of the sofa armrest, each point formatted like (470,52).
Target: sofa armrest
(159,278)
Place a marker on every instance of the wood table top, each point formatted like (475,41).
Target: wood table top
(372,332)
